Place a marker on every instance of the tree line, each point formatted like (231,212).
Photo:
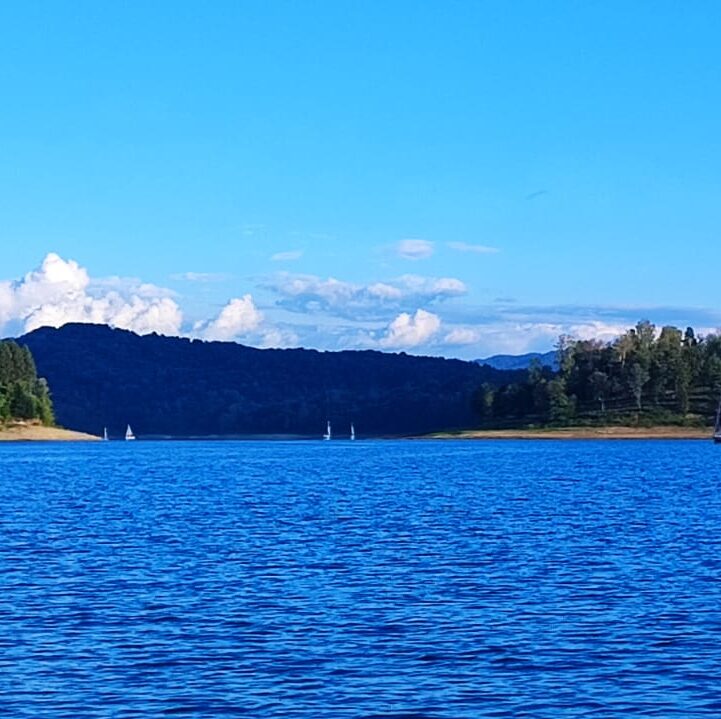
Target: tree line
(645,376)
(23,395)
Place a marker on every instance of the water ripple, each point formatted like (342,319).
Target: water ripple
(390,580)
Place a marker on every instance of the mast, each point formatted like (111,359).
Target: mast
(352,431)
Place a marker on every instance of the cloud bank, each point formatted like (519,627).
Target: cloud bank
(312,294)
(410,313)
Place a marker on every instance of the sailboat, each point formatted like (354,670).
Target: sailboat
(717,425)
(129,434)
(327,434)
(352,432)
(105,434)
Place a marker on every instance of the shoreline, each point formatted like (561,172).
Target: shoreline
(39,433)
(570,433)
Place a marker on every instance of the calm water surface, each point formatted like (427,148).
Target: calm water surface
(426,580)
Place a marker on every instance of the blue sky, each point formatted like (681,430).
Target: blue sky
(453,178)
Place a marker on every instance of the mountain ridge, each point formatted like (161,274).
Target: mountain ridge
(520,362)
(173,386)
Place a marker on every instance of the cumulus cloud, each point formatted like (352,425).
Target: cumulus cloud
(414,249)
(61,291)
(289,256)
(310,293)
(462,336)
(476,249)
(278,338)
(239,317)
(407,331)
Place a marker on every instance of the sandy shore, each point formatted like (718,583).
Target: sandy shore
(583,433)
(34,432)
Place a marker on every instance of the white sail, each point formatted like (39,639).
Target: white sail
(352,431)
(105,434)
(129,433)
(327,434)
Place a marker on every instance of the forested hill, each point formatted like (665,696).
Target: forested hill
(173,386)
(647,375)
(23,395)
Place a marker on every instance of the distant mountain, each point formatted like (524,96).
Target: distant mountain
(516,362)
(173,386)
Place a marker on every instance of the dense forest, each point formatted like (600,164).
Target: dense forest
(646,377)
(180,387)
(22,394)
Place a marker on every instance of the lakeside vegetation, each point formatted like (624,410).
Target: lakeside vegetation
(648,378)
(644,378)
(23,395)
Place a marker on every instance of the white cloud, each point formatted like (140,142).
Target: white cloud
(477,249)
(407,331)
(414,249)
(384,291)
(520,337)
(6,303)
(289,256)
(596,330)
(127,286)
(61,291)
(278,338)
(462,336)
(432,286)
(239,317)
(310,293)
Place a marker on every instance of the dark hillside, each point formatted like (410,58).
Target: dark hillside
(172,386)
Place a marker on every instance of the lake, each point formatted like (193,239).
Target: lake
(407,580)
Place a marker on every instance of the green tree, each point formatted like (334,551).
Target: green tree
(637,378)
(561,407)
(22,394)
(483,401)
(600,385)
(22,402)
(564,354)
(43,403)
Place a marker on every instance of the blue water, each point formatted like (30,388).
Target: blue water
(426,580)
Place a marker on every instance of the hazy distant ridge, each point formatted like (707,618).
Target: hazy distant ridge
(517,362)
